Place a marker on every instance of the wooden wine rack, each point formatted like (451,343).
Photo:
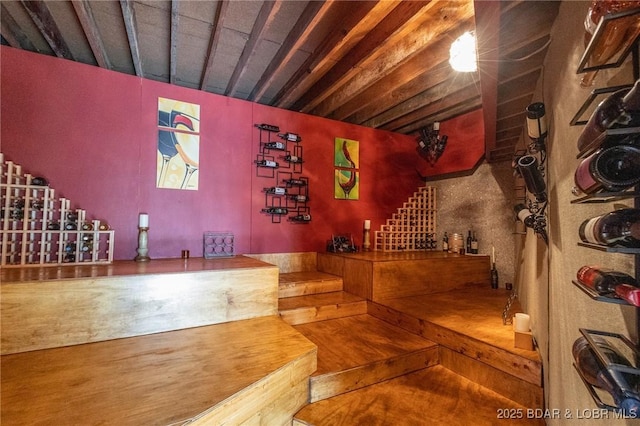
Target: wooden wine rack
(29,214)
(413,224)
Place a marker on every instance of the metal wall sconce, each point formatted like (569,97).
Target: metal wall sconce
(431,144)
(532,167)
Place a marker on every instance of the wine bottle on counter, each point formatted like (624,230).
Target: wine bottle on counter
(445,242)
(474,243)
(494,276)
(607,281)
(617,228)
(611,169)
(622,108)
(468,245)
(596,374)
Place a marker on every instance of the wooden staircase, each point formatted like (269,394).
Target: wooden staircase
(376,368)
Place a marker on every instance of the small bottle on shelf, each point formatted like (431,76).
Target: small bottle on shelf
(617,109)
(445,242)
(474,243)
(616,228)
(614,169)
(468,246)
(494,276)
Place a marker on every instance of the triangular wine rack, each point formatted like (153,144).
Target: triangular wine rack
(413,227)
(39,229)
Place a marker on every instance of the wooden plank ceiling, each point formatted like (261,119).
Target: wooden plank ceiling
(382,64)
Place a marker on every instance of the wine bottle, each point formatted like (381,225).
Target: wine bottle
(524,215)
(617,228)
(300,198)
(278,146)
(617,109)
(267,163)
(445,242)
(295,182)
(597,375)
(104,226)
(290,137)
(276,190)
(474,244)
(276,210)
(87,226)
(494,276)
(300,218)
(268,127)
(614,36)
(613,169)
(53,226)
(607,281)
(39,181)
(71,226)
(292,159)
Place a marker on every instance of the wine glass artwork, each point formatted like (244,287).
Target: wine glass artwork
(346,172)
(178,144)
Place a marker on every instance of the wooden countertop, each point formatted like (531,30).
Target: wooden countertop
(155,379)
(382,256)
(129,267)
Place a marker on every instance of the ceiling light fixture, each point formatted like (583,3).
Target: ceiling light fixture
(463,55)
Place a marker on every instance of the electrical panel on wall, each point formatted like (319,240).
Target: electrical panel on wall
(279,162)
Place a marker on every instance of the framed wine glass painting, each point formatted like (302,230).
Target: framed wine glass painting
(178,152)
(346,173)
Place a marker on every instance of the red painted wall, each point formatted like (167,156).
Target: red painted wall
(93,134)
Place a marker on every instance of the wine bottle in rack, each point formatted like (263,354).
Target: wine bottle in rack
(276,190)
(53,226)
(295,182)
(300,218)
(617,228)
(300,198)
(292,159)
(276,210)
(611,169)
(596,374)
(607,281)
(268,127)
(267,163)
(278,146)
(622,108)
(39,181)
(290,137)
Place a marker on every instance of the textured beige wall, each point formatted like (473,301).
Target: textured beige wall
(483,203)
(557,307)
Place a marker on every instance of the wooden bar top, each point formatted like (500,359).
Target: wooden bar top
(382,256)
(156,379)
(129,267)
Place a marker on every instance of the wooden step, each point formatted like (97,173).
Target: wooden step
(308,282)
(219,374)
(360,350)
(432,396)
(320,307)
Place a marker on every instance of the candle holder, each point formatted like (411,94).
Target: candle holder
(143,242)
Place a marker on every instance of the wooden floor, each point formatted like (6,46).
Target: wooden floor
(161,378)
(433,396)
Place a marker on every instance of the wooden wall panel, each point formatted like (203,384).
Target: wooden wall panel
(38,314)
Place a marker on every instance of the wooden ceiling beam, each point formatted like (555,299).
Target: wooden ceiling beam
(305,26)
(214,40)
(358,20)
(418,74)
(173,49)
(469,105)
(42,18)
(12,33)
(129,16)
(263,22)
(419,32)
(354,62)
(90,28)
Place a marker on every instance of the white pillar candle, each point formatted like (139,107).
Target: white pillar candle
(143,220)
(436,126)
(522,322)
(367,224)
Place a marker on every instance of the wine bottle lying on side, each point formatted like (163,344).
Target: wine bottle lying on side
(607,281)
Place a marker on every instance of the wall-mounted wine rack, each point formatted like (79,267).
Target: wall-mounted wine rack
(281,161)
(38,228)
(611,136)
